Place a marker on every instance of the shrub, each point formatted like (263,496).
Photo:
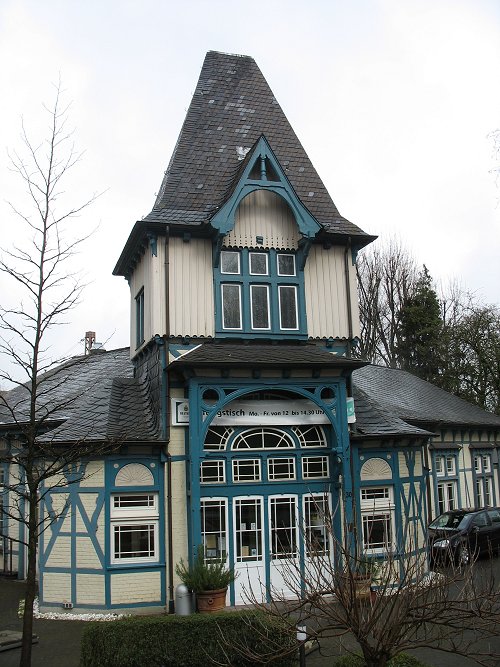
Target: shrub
(188,641)
(401,660)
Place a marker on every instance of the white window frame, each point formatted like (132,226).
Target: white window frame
(135,517)
(293,529)
(266,287)
(230,252)
(448,501)
(320,525)
(323,461)
(256,463)
(379,506)
(219,464)
(232,285)
(215,548)
(295,290)
(286,275)
(271,475)
(261,254)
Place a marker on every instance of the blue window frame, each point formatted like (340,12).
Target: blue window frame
(259,293)
(446,487)
(484,488)
(139,318)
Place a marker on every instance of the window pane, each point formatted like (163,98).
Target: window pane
(286,265)
(258,264)
(134,541)
(213,528)
(248,529)
(131,501)
(246,470)
(288,307)
(280,469)
(316,516)
(212,472)
(283,527)
(377,531)
(229,262)
(260,306)
(231,307)
(314,466)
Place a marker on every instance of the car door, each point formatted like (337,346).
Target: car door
(494,515)
(480,535)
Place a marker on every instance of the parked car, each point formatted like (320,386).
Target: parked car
(461,535)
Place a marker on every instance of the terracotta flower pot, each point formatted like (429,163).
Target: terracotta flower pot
(210,601)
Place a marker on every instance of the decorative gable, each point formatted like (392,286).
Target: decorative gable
(264,172)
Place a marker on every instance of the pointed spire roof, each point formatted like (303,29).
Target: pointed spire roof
(231,108)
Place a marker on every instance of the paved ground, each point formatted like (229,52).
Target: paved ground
(59,641)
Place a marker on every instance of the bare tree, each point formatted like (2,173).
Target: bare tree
(387,277)
(41,278)
(387,605)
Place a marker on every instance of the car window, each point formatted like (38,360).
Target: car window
(448,520)
(494,516)
(481,520)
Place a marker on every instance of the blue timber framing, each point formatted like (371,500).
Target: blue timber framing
(74,510)
(231,390)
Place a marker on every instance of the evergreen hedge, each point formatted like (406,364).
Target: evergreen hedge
(198,640)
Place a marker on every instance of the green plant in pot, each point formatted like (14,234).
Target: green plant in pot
(361,571)
(208,579)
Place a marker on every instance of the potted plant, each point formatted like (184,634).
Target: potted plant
(208,579)
(361,572)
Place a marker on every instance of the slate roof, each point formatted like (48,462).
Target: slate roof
(231,108)
(261,356)
(416,401)
(374,421)
(93,398)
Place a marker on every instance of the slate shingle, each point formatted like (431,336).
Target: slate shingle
(233,95)
(417,401)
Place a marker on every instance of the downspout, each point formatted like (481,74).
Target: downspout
(162,343)
(347,252)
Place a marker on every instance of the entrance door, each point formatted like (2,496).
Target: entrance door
(249,549)
(284,570)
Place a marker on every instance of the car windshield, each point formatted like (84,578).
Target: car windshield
(450,521)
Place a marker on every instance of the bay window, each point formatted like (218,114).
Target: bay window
(259,292)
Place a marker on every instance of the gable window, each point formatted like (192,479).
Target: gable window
(139,318)
(259,292)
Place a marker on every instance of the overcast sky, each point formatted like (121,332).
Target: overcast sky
(392,99)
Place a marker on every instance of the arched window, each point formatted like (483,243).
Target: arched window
(263,438)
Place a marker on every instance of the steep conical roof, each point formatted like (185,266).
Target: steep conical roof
(231,108)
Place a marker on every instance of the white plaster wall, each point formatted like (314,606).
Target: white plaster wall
(135,587)
(94,475)
(56,587)
(60,556)
(90,589)
(86,556)
(179,513)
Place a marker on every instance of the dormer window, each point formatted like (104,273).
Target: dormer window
(259,292)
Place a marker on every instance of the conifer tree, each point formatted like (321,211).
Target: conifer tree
(421,331)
